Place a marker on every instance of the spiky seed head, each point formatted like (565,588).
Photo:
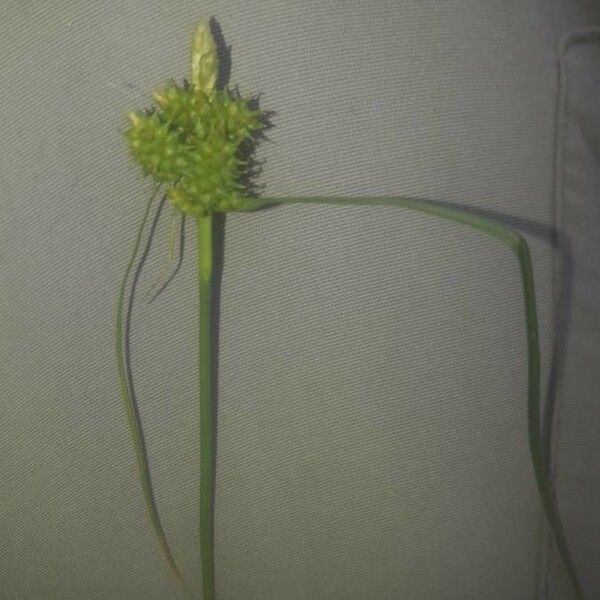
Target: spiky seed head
(193,139)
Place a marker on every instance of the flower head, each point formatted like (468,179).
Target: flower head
(192,138)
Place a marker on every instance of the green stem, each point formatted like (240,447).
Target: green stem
(207,448)
(133,421)
(518,245)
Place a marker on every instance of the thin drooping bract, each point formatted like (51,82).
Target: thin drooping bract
(131,411)
(515,241)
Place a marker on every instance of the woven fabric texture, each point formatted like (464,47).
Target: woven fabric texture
(371,409)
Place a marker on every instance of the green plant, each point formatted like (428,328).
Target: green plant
(192,142)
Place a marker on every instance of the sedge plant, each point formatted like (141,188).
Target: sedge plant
(191,143)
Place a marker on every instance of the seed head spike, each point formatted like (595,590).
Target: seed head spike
(205,63)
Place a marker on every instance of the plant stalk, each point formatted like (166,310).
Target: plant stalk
(207,448)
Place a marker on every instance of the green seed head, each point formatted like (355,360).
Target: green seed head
(191,139)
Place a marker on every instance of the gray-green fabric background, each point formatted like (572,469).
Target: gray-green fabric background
(372,425)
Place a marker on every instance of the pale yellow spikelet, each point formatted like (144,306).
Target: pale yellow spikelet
(160,98)
(204,59)
(133,117)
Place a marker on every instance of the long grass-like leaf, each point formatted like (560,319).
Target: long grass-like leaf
(515,241)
